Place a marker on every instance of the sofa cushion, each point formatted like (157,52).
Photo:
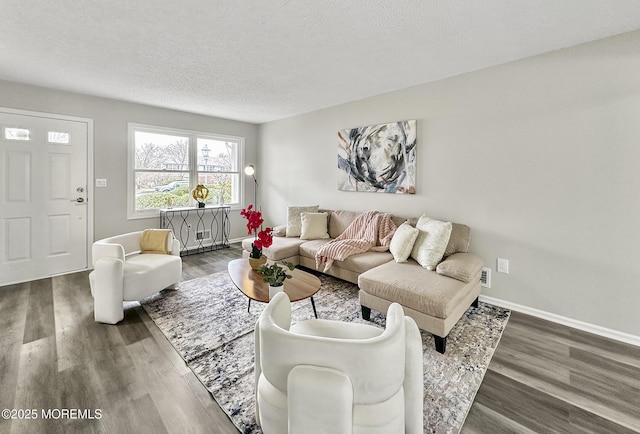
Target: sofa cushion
(314,225)
(461,266)
(340,220)
(141,272)
(356,263)
(412,286)
(281,248)
(459,240)
(431,242)
(279,231)
(402,242)
(294,222)
(308,249)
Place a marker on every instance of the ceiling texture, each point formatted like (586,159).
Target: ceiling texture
(263,60)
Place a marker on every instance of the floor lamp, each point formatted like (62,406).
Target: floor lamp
(250,170)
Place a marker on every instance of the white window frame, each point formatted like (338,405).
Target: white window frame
(193,136)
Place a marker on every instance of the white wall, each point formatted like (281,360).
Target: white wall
(540,157)
(110,145)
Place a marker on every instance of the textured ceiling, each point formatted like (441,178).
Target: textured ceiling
(262,60)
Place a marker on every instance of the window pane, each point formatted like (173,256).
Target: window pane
(162,190)
(58,137)
(217,155)
(16,134)
(161,151)
(225,187)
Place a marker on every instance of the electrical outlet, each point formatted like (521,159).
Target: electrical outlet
(503,266)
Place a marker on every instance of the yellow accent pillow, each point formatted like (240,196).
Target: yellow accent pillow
(155,241)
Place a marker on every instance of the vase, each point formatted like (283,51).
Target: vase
(273,290)
(257,263)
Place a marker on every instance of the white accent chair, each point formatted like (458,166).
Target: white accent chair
(322,376)
(121,273)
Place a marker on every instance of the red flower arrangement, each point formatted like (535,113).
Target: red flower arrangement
(263,238)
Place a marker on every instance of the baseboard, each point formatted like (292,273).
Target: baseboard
(569,322)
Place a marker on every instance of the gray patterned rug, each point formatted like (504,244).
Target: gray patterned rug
(208,324)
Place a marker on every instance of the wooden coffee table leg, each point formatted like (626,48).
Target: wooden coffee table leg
(249,306)
(313,304)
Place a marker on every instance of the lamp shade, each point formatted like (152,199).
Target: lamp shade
(250,170)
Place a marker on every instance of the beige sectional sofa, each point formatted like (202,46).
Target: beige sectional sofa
(434,299)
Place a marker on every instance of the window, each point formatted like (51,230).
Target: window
(166,164)
(58,137)
(16,134)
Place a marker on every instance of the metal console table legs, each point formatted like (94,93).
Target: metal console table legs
(198,229)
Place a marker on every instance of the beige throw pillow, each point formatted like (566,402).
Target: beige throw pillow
(402,242)
(459,240)
(314,225)
(461,266)
(294,223)
(431,242)
(279,231)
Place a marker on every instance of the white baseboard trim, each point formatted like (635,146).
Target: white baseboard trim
(569,322)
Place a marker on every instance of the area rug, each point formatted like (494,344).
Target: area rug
(208,324)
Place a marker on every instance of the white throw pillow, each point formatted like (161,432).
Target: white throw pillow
(402,242)
(294,223)
(314,225)
(431,242)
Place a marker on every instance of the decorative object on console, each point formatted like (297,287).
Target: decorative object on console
(378,158)
(262,238)
(200,194)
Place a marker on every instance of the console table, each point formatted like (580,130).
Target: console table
(198,229)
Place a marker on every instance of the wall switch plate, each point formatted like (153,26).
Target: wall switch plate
(503,266)
(101,182)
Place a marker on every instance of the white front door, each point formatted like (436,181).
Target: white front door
(43,196)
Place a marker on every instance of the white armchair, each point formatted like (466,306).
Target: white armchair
(121,273)
(321,376)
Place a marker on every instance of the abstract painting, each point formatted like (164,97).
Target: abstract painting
(378,158)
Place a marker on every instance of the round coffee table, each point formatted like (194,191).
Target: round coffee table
(302,285)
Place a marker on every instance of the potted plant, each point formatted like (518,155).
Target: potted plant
(274,275)
(262,238)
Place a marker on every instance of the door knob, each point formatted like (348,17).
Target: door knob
(79,200)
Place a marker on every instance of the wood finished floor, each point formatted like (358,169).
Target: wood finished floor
(543,377)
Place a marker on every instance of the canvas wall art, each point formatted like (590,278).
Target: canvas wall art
(378,158)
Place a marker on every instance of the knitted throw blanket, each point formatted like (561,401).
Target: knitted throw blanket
(369,231)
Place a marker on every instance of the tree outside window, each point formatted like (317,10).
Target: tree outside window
(163,175)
